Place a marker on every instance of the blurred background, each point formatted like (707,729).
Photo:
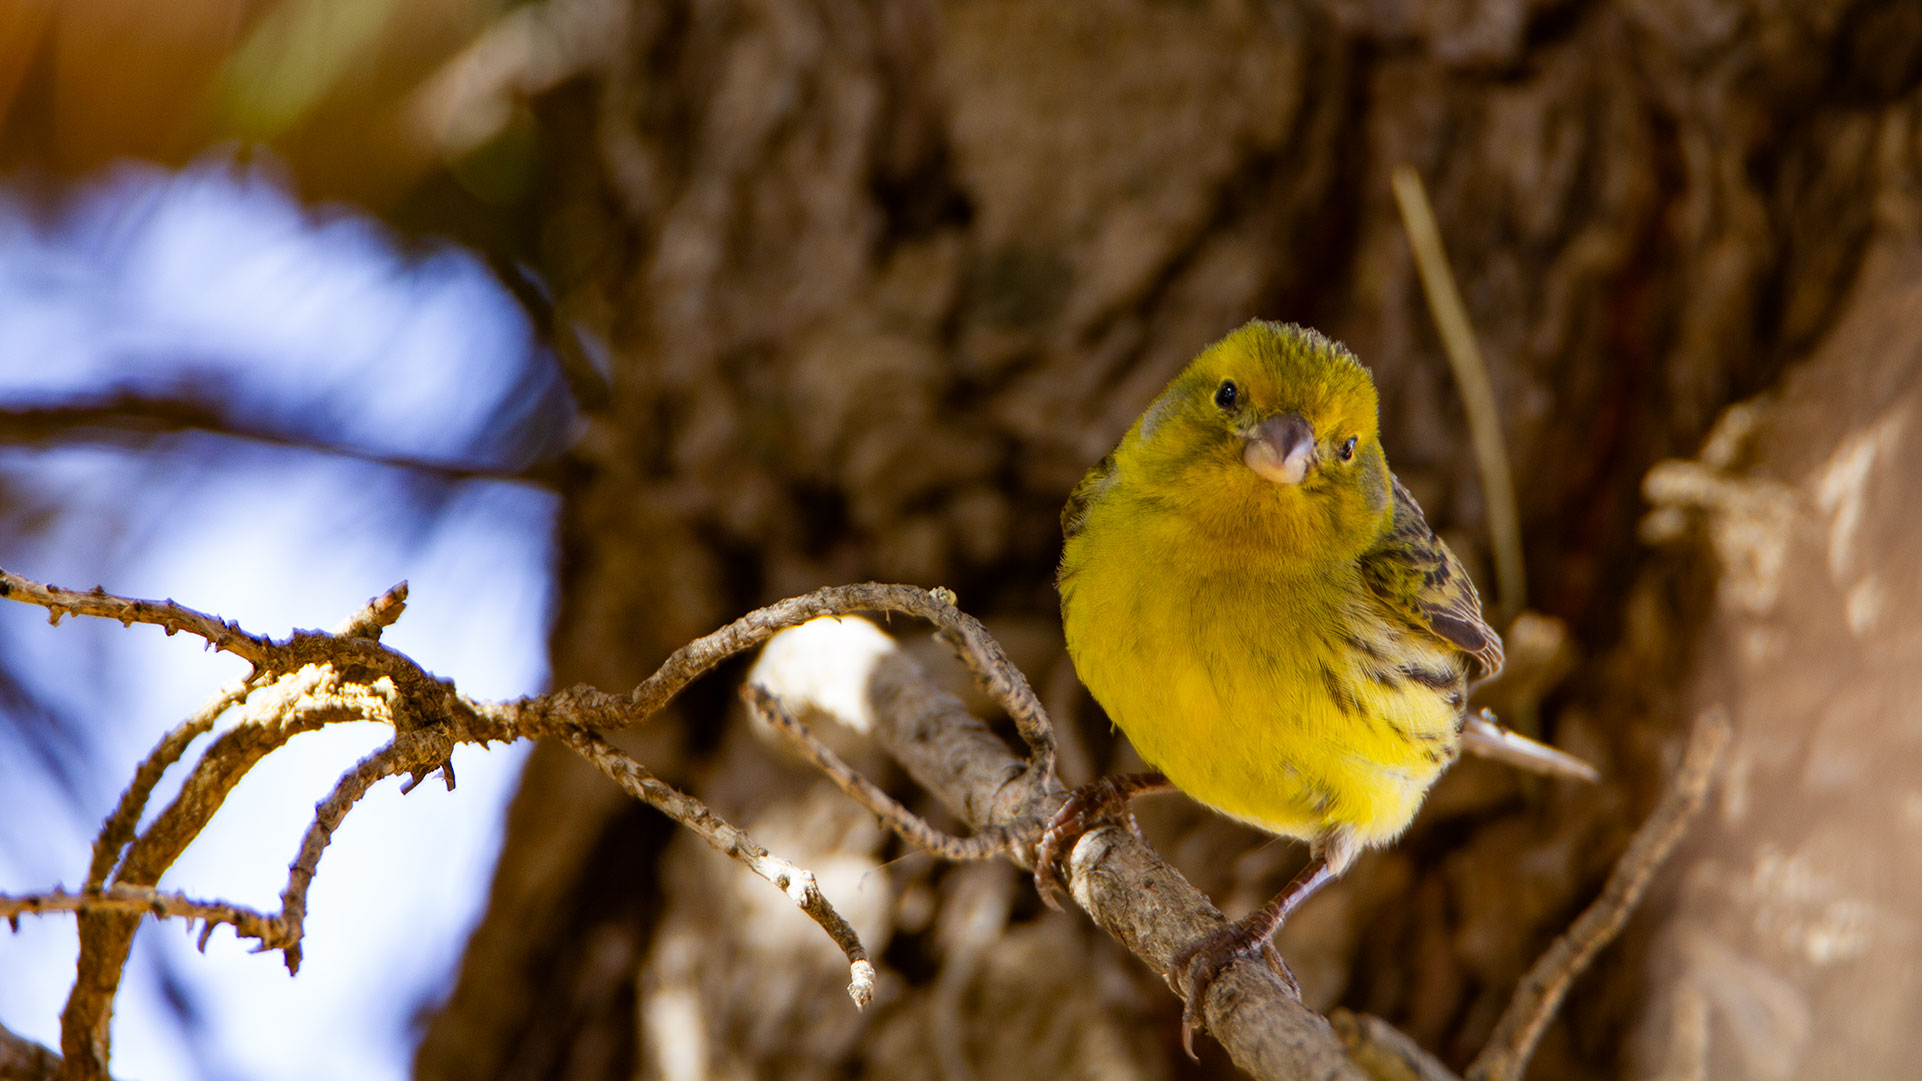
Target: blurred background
(603,321)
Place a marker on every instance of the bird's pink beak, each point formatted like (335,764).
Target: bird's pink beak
(1281,448)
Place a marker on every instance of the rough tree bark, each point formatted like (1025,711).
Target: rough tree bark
(1789,949)
(876,281)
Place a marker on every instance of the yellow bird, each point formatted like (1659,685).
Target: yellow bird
(1258,603)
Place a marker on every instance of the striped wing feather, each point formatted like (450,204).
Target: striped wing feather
(1413,571)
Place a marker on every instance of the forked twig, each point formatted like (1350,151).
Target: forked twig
(586,707)
(300,701)
(118,829)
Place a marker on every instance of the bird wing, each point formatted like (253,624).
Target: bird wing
(1097,481)
(1414,572)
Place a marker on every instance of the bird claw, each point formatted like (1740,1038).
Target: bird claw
(1085,808)
(1196,968)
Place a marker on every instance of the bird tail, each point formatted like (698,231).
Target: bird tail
(1487,737)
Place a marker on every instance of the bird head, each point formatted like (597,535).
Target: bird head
(1269,437)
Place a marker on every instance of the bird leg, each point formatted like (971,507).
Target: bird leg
(1196,967)
(1086,807)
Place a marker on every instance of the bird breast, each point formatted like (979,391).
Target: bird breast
(1293,702)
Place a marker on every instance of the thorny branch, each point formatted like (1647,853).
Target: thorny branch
(174,618)
(315,678)
(386,762)
(300,701)
(145,901)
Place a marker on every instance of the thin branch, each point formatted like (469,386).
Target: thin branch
(321,679)
(328,814)
(412,701)
(144,901)
(962,631)
(1541,991)
(172,617)
(1471,375)
(133,421)
(998,677)
(118,829)
(422,700)
(909,826)
(302,701)
(730,840)
(585,707)
(327,678)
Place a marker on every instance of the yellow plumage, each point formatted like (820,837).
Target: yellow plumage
(1257,602)
(1226,622)
(1223,682)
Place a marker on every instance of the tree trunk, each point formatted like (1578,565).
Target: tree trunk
(876,282)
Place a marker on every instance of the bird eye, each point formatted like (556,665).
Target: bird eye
(1227,394)
(1348,449)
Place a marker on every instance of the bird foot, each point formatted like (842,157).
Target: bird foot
(1196,968)
(1086,807)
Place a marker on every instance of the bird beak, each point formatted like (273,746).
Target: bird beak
(1281,448)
